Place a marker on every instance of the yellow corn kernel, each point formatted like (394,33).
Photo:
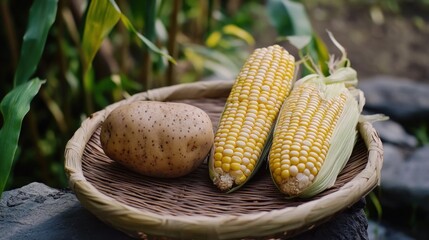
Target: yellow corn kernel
(255,99)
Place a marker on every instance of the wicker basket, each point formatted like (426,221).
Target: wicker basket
(191,207)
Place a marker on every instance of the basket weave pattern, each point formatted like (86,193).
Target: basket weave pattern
(191,207)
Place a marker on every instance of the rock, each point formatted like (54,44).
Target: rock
(392,132)
(378,231)
(400,99)
(351,224)
(36,211)
(393,157)
(416,178)
(405,179)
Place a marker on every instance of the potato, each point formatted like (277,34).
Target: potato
(158,139)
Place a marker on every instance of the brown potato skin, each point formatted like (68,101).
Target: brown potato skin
(157,139)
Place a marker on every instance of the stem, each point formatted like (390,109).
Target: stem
(89,104)
(55,111)
(31,120)
(145,73)
(69,21)
(10,32)
(149,33)
(202,21)
(172,49)
(211,7)
(64,110)
(78,18)
(124,54)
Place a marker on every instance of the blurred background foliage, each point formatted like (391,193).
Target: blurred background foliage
(208,39)
(121,67)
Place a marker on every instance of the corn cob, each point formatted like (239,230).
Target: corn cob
(315,132)
(250,111)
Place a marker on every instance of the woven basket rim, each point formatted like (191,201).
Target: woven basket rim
(138,222)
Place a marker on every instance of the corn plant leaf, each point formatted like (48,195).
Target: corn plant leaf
(319,54)
(299,41)
(101,17)
(153,26)
(322,53)
(240,33)
(218,62)
(146,41)
(14,107)
(377,205)
(161,30)
(290,20)
(213,39)
(149,19)
(42,16)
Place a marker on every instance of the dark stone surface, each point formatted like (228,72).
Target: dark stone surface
(36,211)
(351,224)
(405,178)
(392,132)
(381,232)
(400,99)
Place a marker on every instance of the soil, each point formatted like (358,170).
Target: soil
(379,40)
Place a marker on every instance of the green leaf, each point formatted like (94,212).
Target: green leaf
(149,16)
(146,41)
(216,61)
(16,103)
(290,19)
(319,54)
(238,32)
(292,23)
(299,41)
(42,16)
(161,30)
(376,203)
(213,39)
(101,89)
(14,107)
(102,16)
